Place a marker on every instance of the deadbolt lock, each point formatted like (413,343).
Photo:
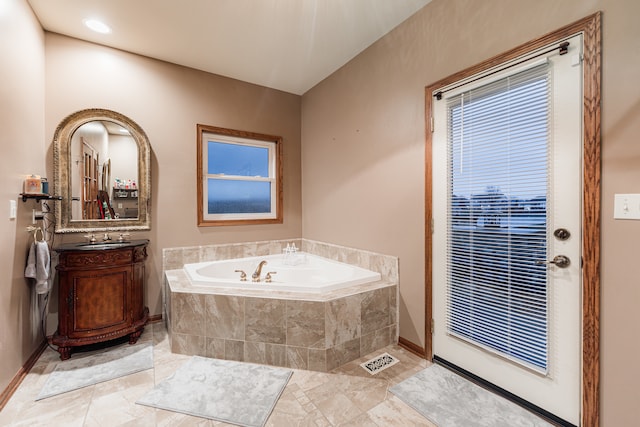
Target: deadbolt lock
(562,234)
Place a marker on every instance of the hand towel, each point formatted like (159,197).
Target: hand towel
(30,270)
(43,262)
(38,265)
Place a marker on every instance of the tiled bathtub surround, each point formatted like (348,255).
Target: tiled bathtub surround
(296,330)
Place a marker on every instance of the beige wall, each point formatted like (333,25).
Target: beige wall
(23,150)
(167,101)
(363,154)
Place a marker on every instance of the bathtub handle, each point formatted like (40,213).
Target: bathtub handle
(243,275)
(268,277)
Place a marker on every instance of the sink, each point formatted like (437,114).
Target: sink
(100,245)
(103,245)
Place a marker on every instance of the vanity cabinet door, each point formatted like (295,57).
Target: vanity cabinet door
(100,299)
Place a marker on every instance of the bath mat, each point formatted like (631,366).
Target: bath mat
(222,390)
(447,399)
(379,363)
(80,372)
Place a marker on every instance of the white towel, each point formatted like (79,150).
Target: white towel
(38,265)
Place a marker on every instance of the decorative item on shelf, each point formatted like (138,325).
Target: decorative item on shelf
(32,185)
(45,185)
(124,184)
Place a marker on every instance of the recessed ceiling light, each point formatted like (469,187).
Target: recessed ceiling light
(97,26)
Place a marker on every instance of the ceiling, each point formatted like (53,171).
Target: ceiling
(289,45)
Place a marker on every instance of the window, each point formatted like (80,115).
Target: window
(498,138)
(239,177)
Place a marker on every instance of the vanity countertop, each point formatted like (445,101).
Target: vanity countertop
(100,245)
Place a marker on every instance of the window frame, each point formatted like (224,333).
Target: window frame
(240,137)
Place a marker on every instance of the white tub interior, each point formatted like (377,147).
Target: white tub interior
(299,272)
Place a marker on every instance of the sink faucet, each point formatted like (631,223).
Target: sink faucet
(256,274)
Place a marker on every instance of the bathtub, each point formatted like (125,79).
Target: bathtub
(298,272)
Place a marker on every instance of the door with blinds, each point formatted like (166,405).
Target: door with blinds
(507,227)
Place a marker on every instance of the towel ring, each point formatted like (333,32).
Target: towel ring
(35,234)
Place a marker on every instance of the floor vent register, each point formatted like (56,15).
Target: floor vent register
(379,363)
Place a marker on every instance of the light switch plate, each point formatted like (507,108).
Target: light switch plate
(13,209)
(626,206)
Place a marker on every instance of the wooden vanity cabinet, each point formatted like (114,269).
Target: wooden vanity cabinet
(100,294)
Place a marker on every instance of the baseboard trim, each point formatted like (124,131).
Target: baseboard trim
(155,318)
(19,377)
(412,347)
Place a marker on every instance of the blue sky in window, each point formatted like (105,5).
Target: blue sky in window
(236,159)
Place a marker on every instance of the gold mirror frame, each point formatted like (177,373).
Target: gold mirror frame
(62,174)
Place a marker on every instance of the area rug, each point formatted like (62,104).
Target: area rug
(223,390)
(80,372)
(447,399)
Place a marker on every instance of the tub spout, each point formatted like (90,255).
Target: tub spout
(256,274)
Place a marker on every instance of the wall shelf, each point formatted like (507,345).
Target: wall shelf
(39,197)
(125,193)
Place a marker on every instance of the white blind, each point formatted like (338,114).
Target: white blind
(498,145)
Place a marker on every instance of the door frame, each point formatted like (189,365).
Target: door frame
(590,27)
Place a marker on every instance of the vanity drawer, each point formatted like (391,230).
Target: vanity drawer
(93,259)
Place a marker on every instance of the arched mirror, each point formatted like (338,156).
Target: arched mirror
(102,172)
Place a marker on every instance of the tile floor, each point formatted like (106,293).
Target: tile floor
(347,396)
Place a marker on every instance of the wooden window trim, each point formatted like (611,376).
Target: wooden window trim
(590,27)
(202,222)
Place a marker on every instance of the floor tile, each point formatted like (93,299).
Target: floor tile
(348,396)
